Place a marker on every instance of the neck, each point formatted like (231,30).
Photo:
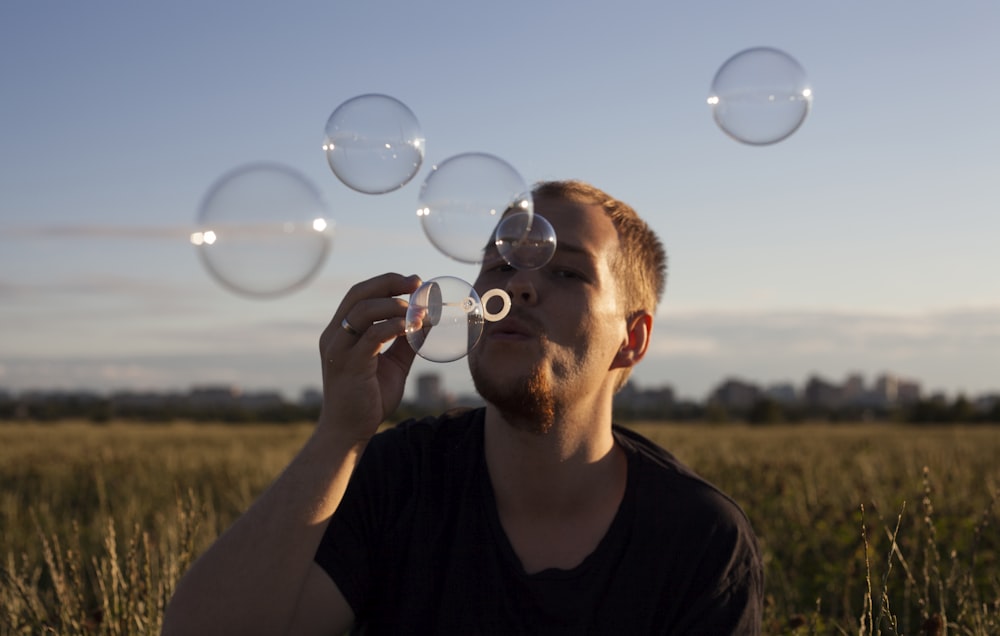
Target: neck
(557,493)
(561,469)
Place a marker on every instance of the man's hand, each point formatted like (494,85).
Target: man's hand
(362,384)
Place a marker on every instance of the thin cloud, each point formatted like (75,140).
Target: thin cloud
(96,231)
(808,332)
(952,350)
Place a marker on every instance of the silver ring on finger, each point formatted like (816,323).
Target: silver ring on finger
(349,328)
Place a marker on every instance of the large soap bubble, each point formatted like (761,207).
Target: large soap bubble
(525,241)
(444,319)
(373,143)
(464,198)
(760,96)
(263,230)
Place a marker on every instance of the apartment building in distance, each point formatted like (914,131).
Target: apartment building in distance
(887,391)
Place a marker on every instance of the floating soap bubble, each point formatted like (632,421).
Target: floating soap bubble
(760,96)
(373,143)
(444,319)
(445,316)
(263,230)
(525,241)
(464,197)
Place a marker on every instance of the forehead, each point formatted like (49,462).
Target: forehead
(579,225)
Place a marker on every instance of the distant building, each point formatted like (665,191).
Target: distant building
(213,396)
(430,393)
(987,403)
(908,392)
(886,389)
(891,390)
(131,401)
(735,395)
(822,394)
(260,400)
(635,402)
(782,393)
(311,397)
(853,392)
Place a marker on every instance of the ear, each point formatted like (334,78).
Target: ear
(640,326)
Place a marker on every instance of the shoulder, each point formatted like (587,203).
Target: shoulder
(413,439)
(415,456)
(661,471)
(714,545)
(449,425)
(666,490)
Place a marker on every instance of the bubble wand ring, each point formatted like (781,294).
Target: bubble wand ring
(498,315)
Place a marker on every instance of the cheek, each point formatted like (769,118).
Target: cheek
(593,336)
(593,314)
(608,332)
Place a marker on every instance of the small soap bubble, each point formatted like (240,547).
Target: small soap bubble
(263,230)
(525,241)
(464,198)
(374,144)
(444,319)
(760,96)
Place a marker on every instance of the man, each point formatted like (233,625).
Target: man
(533,515)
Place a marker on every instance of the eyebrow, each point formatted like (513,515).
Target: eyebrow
(491,253)
(572,248)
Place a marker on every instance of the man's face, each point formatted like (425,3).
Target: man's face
(566,321)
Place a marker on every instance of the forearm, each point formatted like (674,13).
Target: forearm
(249,580)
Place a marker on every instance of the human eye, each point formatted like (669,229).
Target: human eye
(496,266)
(567,273)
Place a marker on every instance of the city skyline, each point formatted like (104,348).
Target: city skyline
(855,385)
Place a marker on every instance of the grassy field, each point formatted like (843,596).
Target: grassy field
(866,529)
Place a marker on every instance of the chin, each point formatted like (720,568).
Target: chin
(525,399)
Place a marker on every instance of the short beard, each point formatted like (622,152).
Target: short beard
(527,404)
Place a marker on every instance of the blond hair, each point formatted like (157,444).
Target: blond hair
(641,262)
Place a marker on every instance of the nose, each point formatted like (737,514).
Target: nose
(521,289)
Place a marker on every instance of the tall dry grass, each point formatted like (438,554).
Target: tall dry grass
(865,529)
(99,522)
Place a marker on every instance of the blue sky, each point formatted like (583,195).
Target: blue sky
(866,242)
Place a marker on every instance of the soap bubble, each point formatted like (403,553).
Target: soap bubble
(444,319)
(373,144)
(263,230)
(464,197)
(760,96)
(525,241)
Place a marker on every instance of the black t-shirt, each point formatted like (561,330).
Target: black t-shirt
(416,546)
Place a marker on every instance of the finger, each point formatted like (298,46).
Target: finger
(384,286)
(369,312)
(401,353)
(376,335)
(368,294)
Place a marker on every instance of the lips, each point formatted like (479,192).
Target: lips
(513,328)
